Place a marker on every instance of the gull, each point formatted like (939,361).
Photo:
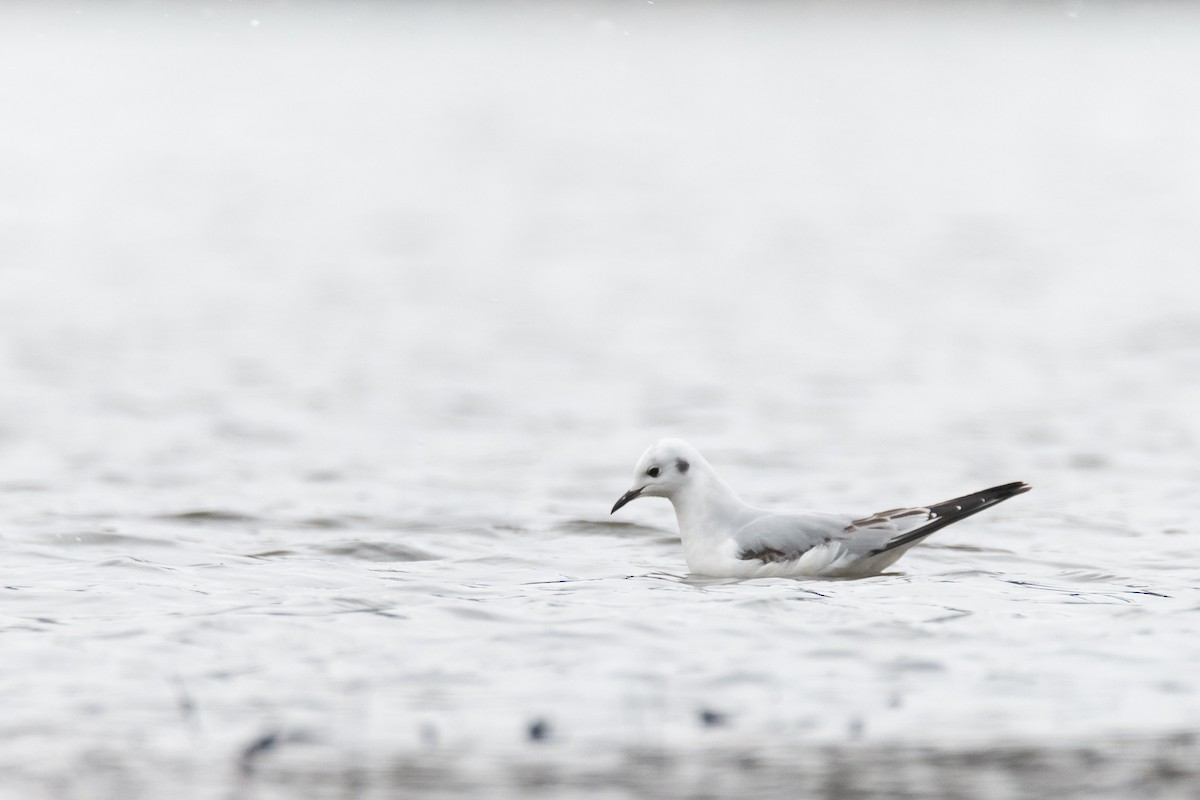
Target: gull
(726,538)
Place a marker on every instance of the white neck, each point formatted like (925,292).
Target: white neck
(708,512)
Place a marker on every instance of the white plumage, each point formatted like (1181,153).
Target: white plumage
(724,537)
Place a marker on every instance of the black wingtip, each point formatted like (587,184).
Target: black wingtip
(969,504)
(952,511)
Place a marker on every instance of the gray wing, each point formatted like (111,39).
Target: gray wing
(786,537)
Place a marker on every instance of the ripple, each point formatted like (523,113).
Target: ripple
(1089,576)
(377,551)
(131,562)
(209,516)
(273,554)
(23,486)
(94,538)
(474,612)
(966,548)
(915,665)
(337,522)
(1120,594)
(611,528)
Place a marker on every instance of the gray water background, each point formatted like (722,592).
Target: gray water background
(329,333)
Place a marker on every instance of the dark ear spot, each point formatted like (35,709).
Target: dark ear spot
(683,465)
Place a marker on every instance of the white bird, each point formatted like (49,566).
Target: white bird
(724,537)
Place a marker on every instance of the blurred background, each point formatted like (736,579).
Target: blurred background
(329,332)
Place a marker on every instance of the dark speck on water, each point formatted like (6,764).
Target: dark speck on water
(539,730)
(268,741)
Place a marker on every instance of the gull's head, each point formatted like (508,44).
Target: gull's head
(662,471)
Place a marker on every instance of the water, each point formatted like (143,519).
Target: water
(329,334)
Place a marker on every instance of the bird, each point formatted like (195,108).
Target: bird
(724,537)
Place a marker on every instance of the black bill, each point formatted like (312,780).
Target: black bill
(625,498)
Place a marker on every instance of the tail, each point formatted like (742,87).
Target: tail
(951,511)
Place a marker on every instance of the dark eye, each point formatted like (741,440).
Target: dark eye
(652,472)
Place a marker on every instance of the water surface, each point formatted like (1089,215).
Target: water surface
(329,334)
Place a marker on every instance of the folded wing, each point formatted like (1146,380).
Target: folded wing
(909,525)
(775,538)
